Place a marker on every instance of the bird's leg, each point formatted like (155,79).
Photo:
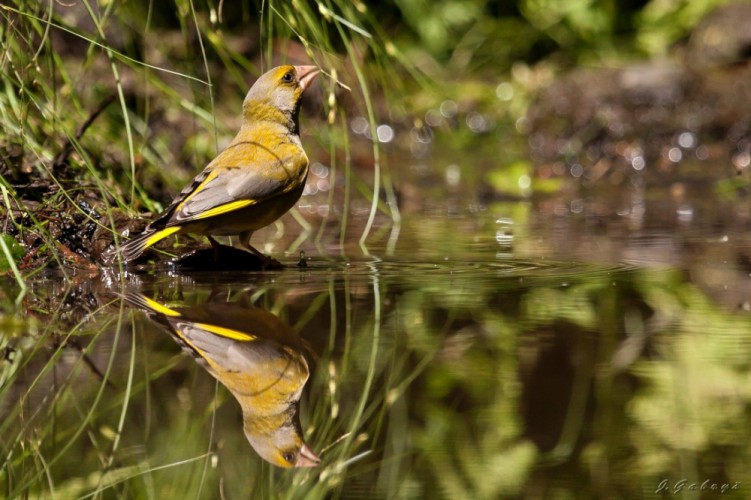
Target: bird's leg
(266,262)
(245,241)
(216,246)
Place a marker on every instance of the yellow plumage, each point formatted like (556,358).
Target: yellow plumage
(254,181)
(258,358)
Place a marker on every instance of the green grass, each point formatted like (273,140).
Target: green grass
(91,117)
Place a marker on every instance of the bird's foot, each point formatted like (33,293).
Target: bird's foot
(267,263)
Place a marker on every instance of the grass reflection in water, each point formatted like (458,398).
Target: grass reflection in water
(485,382)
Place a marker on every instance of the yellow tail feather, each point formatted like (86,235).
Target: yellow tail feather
(135,247)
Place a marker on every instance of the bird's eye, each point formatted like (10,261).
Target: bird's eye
(289,458)
(288,77)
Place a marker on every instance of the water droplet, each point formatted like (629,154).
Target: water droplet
(423,135)
(522,125)
(577,206)
(359,125)
(504,237)
(638,163)
(385,133)
(319,169)
(477,122)
(741,160)
(448,108)
(687,140)
(504,91)
(433,118)
(675,155)
(685,213)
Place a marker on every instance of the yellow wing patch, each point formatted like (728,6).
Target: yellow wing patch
(226,332)
(226,208)
(198,188)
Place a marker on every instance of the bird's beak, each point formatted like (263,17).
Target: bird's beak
(306,75)
(307,458)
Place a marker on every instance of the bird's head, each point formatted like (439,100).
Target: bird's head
(276,95)
(282,446)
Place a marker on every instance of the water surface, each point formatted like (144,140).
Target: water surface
(467,357)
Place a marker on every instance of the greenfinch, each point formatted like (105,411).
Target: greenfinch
(258,358)
(254,181)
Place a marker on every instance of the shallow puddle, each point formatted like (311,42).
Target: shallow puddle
(480,363)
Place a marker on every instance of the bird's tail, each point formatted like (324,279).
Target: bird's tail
(141,301)
(132,249)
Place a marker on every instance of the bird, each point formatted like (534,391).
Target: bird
(257,357)
(254,181)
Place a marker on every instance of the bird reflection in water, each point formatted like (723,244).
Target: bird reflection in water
(258,358)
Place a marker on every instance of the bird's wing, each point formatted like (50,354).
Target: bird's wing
(231,189)
(212,194)
(223,351)
(164,218)
(242,175)
(223,345)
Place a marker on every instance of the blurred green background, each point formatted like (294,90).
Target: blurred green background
(527,224)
